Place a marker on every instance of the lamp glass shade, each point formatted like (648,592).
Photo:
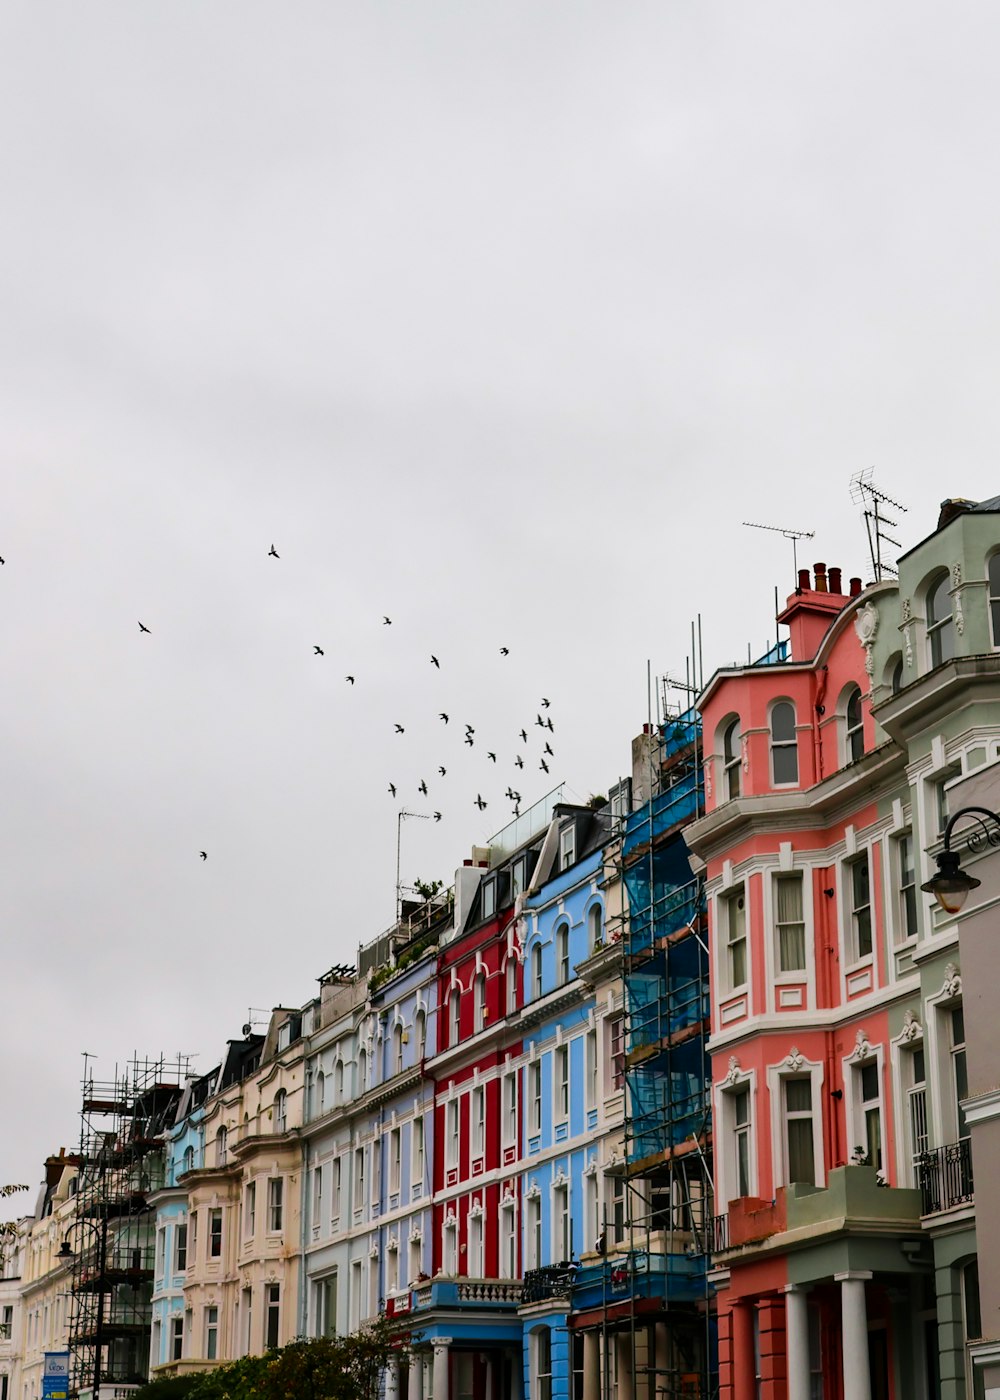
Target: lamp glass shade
(951,886)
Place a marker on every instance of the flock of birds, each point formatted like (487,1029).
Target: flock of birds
(543,722)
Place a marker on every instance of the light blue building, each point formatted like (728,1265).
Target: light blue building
(564,1189)
(185,1151)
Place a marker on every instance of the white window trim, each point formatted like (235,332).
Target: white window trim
(851,1066)
(561,1183)
(775,977)
(892,891)
(561,1054)
(725,1161)
(721,923)
(942,1123)
(795,1066)
(845,899)
(901,1047)
(783,744)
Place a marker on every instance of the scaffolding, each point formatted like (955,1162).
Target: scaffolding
(122,1125)
(652,1289)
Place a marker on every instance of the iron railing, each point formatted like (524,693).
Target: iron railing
(944,1175)
(720,1233)
(551,1281)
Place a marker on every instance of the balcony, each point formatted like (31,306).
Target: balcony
(945,1177)
(551,1281)
(501,1293)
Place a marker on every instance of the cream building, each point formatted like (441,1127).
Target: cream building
(45,1302)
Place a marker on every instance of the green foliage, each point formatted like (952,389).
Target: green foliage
(310,1368)
(427,889)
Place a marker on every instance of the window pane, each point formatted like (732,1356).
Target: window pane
(791,928)
(798,1095)
(783,723)
(800,1151)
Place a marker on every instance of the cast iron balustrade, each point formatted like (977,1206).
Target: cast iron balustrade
(551,1281)
(945,1176)
(720,1233)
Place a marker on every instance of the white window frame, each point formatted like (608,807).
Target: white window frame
(854,731)
(853,957)
(509,1101)
(281,1111)
(359,1180)
(781,744)
(395,1160)
(475,1253)
(453,1119)
(275,1204)
(534,1096)
(727,1160)
(212,1332)
(537,972)
(336,1185)
(454,1015)
(804,973)
(937,627)
(508,1238)
(795,1066)
(533,1229)
(856,1105)
(732,758)
(591,1069)
(562,1221)
(567,846)
(479,1001)
(417,1156)
(563,969)
(477,1114)
(595,927)
(993,599)
(449,1246)
(726,902)
(510,984)
(897,902)
(561,1083)
(250,1210)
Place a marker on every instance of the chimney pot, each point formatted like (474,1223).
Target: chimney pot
(820,571)
(834,579)
(855,587)
(804,580)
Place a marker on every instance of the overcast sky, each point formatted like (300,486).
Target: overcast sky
(496,318)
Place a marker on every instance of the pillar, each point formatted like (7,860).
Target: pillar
(661,1360)
(854,1329)
(392,1379)
(591,1366)
(744,1372)
(440,1385)
(797,1342)
(623,1367)
(415,1378)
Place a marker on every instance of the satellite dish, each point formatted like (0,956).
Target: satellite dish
(247,1028)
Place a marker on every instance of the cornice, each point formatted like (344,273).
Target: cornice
(912,708)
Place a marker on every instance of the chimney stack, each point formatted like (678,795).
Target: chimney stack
(820,571)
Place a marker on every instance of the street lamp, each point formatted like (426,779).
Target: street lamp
(65,1255)
(951,885)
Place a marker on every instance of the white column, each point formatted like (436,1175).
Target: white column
(591,1366)
(797,1342)
(392,1379)
(623,1350)
(441,1345)
(415,1379)
(854,1328)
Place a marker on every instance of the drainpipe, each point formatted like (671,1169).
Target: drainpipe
(819,709)
(305,1279)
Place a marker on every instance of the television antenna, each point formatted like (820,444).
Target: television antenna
(793,535)
(865,493)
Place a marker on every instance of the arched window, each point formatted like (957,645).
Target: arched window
(362,1070)
(784,744)
(454,1003)
(397,1048)
(280,1118)
(994,577)
(320,1093)
(338,1082)
(420,1032)
(731,758)
(479,1001)
(940,625)
(542,1379)
(221,1148)
(562,955)
(854,730)
(510,977)
(893,674)
(536,971)
(189,1159)
(595,927)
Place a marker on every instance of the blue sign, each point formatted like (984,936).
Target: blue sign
(55,1375)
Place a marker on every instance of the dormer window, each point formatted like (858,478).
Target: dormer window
(567,847)
(488,901)
(784,745)
(519,876)
(940,626)
(284,1035)
(731,758)
(854,732)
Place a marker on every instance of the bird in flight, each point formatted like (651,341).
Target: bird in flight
(400,729)
(392,789)
(469,729)
(504,651)
(386,621)
(3,561)
(519,761)
(524,735)
(435,662)
(469,740)
(550,726)
(539,722)
(272,553)
(480,803)
(545,766)
(319,651)
(423,787)
(516,796)
(545,703)
(437,816)
(443,716)
(509,794)
(349,678)
(490,754)
(203,854)
(143,627)
(548,747)
(442,771)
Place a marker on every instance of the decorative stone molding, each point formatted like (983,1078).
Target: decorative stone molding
(905,611)
(795,1059)
(708,779)
(862,1047)
(733,1072)
(956,583)
(866,626)
(745,746)
(912,1029)
(952,985)
(906,627)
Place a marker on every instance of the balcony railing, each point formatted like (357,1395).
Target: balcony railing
(945,1176)
(720,1233)
(551,1281)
